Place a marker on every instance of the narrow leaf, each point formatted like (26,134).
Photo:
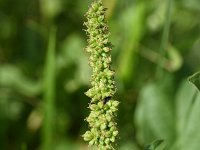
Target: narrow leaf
(49,92)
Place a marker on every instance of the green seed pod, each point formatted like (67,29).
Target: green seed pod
(103,130)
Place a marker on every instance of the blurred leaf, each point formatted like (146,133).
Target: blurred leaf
(193,57)
(11,106)
(7,27)
(133,25)
(190,136)
(13,78)
(71,50)
(133,30)
(195,79)
(194,4)
(184,99)
(188,118)
(154,115)
(156,20)
(156,145)
(73,54)
(66,144)
(50,8)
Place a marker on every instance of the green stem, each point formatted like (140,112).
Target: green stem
(164,41)
(49,92)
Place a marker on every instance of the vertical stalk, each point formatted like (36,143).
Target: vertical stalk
(103,108)
(49,92)
(164,40)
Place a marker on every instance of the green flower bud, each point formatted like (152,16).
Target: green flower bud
(92,107)
(111,124)
(91,142)
(103,126)
(112,108)
(115,103)
(112,139)
(87,136)
(108,117)
(108,134)
(107,140)
(115,133)
(100,105)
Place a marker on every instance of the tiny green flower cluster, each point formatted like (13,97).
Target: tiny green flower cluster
(101,119)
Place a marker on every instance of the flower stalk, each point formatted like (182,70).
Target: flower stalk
(103,128)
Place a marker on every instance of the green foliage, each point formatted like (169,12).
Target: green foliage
(133,28)
(154,121)
(149,109)
(13,78)
(188,103)
(154,114)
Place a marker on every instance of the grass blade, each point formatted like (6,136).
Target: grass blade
(49,92)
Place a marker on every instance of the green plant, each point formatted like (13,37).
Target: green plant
(49,92)
(103,108)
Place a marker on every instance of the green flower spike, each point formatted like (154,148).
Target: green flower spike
(103,130)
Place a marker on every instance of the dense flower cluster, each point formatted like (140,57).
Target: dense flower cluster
(103,130)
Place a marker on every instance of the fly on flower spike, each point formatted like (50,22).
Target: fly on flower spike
(106,100)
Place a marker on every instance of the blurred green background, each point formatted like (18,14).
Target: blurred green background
(44,73)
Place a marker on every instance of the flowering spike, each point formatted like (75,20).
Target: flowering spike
(103,130)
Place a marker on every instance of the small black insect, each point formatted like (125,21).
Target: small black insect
(106,99)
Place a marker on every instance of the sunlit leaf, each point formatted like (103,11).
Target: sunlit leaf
(154,115)
(190,137)
(184,98)
(188,112)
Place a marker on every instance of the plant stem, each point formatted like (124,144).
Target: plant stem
(49,92)
(164,41)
